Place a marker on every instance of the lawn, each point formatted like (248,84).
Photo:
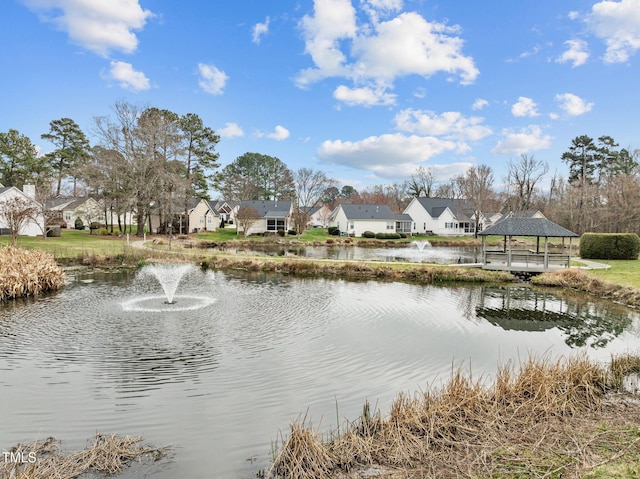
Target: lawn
(623,272)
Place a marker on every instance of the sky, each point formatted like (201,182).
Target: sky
(364,90)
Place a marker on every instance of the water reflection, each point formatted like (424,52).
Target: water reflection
(228,376)
(583,321)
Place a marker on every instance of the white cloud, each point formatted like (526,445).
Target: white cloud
(230,130)
(479,104)
(573,105)
(363,96)
(524,107)
(386,155)
(577,53)
(449,125)
(573,15)
(212,80)
(380,8)
(380,52)
(522,141)
(260,29)
(98,26)
(280,133)
(618,24)
(127,77)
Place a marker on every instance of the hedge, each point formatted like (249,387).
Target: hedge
(368,234)
(610,246)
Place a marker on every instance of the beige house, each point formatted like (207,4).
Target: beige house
(272,216)
(203,217)
(67,210)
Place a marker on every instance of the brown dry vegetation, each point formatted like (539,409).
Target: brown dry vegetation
(546,419)
(582,281)
(357,270)
(27,273)
(109,454)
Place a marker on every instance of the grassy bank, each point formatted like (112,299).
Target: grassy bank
(591,282)
(543,419)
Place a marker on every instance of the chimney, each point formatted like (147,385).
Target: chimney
(30,191)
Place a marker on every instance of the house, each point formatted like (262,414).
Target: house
(227,210)
(272,216)
(521,214)
(442,216)
(319,216)
(32,226)
(354,220)
(204,217)
(65,211)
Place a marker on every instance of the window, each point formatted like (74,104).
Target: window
(67,216)
(209,219)
(201,219)
(351,225)
(391,226)
(275,224)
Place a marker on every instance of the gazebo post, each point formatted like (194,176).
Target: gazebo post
(484,251)
(546,253)
(509,254)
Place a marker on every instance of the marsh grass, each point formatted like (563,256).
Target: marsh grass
(27,273)
(543,418)
(582,281)
(108,454)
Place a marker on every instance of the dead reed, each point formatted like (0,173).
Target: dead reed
(108,454)
(27,273)
(580,280)
(542,418)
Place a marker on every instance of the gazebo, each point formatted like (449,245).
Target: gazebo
(527,261)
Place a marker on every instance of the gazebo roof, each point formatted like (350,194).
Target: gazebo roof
(540,227)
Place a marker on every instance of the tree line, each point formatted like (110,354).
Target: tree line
(148,160)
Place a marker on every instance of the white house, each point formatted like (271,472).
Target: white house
(227,210)
(273,216)
(442,216)
(319,216)
(31,227)
(204,216)
(67,210)
(356,219)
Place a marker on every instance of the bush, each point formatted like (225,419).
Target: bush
(387,236)
(95,225)
(280,233)
(403,235)
(79,225)
(335,232)
(368,234)
(292,232)
(610,246)
(332,229)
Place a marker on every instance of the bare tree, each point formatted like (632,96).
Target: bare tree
(246,217)
(476,187)
(522,178)
(300,218)
(15,212)
(421,183)
(309,187)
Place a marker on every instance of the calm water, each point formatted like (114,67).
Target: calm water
(220,375)
(437,254)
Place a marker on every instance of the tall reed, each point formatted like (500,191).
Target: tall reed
(27,273)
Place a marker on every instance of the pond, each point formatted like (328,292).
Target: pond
(417,252)
(220,374)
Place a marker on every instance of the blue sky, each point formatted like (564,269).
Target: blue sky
(365,90)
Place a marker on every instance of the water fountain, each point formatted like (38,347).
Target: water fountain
(421,244)
(169,277)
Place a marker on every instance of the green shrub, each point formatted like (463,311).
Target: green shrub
(368,234)
(332,230)
(292,232)
(610,246)
(281,233)
(388,236)
(335,232)
(79,225)
(403,235)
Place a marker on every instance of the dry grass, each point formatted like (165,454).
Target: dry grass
(27,273)
(583,281)
(542,419)
(109,454)
(356,270)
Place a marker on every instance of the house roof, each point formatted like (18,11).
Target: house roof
(522,214)
(65,203)
(528,227)
(269,209)
(436,206)
(3,189)
(367,212)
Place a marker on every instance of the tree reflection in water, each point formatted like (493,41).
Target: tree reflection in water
(585,320)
